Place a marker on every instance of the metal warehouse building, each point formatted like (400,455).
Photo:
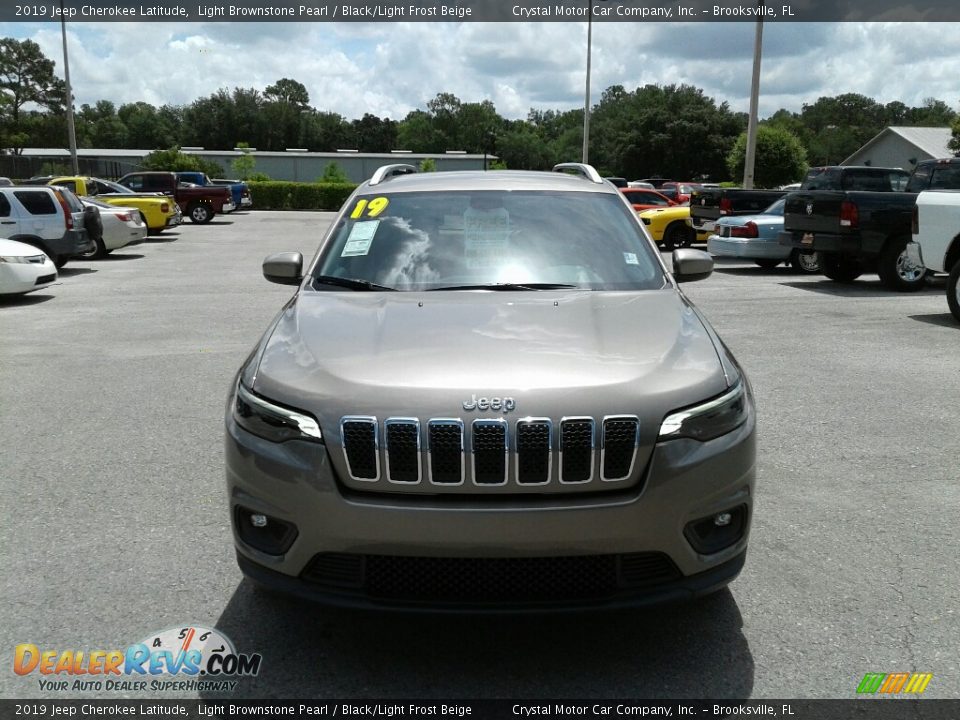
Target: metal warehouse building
(292,164)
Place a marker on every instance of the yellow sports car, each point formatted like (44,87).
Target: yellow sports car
(671,228)
(157,211)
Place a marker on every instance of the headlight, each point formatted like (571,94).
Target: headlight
(272,422)
(16,259)
(711,419)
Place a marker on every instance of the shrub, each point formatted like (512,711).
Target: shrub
(173,160)
(333,173)
(284,195)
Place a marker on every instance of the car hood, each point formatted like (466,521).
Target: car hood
(424,354)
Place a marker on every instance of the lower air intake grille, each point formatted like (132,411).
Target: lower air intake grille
(442,579)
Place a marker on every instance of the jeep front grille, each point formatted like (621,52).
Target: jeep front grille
(492,452)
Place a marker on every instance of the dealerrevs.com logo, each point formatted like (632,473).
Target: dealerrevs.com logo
(190,658)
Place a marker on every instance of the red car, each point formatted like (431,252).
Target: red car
(683,190)
(643,199)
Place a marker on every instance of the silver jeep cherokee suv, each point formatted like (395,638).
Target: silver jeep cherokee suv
(488,392)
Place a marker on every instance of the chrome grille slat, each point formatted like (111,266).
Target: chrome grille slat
(519,454)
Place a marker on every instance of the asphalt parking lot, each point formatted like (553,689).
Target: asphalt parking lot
(112,387)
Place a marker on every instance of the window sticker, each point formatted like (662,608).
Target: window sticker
(630,259)
(485,233)
(360,238)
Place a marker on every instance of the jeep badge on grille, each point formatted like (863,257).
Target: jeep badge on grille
(506,404)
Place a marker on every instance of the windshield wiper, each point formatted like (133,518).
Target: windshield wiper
(352,283)
(509,286)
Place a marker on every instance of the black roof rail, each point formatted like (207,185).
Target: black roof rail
(582,169)
(385,172)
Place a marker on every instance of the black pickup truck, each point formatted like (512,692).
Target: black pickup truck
(710,204)
(859,219)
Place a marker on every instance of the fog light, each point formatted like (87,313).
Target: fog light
(716,532)
(266,533)
(720,519)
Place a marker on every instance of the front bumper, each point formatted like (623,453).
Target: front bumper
(20,278)
(685,481)
(747,248)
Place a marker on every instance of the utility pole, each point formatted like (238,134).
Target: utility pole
(586,99)
(751,155)
(71,130)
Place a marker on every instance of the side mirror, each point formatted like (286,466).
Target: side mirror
(285,268)
(690,265)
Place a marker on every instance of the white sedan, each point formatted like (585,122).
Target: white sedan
(122,226)
(24,268)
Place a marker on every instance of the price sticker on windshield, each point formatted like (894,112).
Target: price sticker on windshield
(369,208)
(360,238)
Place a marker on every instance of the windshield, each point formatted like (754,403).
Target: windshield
(436,240)
(776,208)
(115,188)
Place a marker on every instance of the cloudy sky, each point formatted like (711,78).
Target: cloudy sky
(390,69)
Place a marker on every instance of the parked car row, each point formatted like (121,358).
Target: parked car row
(844,221)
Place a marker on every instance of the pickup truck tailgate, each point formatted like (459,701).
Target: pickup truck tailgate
(813,212)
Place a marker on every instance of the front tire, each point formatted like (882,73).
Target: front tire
(806,262)
(59,260)
(200,214)
(675,236)
(953,291)
(839,268)
(895,269)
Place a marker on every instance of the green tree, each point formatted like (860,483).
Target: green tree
(243,166)
(780,157)
(522,148)
(373,134)
(147,127)
(172,160)
(26,78)
(288,91)
(673,130)
(428,165)
(333,173)
(954,143)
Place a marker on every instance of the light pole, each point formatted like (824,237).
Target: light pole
(586,99)
(71,130)
(751,155)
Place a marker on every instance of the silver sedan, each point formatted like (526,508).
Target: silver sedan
(754,237)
